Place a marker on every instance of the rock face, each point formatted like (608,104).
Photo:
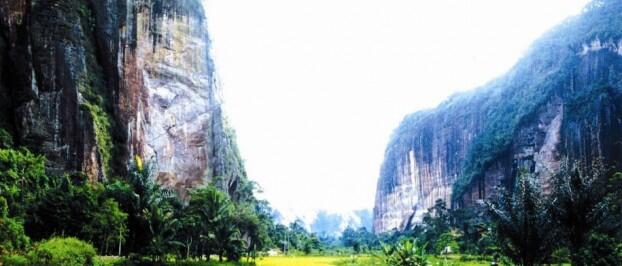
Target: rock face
(93,83)
(562,101)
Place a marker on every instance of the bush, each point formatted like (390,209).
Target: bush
(6,140)
(14,260)
(62,252)
(405,253)
(560,256)
(111,261)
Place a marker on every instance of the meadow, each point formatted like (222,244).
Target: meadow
(355,261)
(310,260)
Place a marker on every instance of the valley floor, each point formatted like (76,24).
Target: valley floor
(352,261)
(363,260)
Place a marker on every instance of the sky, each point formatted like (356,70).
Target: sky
(314,88)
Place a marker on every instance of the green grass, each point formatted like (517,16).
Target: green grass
(119,261)
(456,260)
(302,261)
(353,261)
(312,260)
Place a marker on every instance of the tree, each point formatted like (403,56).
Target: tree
(162,228)
(279,235)
(219,232)
(359,239)
(584,209)
(22,179)
(522,223)
(6,140)
(473,225)
(251,225)
(63,209)
(436,221)
(108,225)
(129,203)
(150,211)
(297,234)
(12,236)
(312,242)
(349,238)
(447,243)
(188,231)
(228,240)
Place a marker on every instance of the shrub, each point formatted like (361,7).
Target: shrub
(6,140)
(62,252)
(560,256)
(405,253)
(14,260)
(112,261)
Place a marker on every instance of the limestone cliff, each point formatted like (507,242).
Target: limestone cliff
(93,83)
(561,100)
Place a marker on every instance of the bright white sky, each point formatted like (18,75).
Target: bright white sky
(314,88)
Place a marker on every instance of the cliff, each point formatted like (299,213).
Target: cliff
(93,83)
(562,100)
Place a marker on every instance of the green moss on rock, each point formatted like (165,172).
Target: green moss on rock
(92,87)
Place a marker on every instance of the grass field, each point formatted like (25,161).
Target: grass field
(316,260)
(362,260)
(351,261)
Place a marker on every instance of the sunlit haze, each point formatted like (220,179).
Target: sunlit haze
(314,88)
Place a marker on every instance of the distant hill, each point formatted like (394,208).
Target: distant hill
(333,224)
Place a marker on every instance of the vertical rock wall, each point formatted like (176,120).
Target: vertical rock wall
(92,83)
(562,101)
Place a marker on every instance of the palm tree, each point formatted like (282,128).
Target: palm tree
(163,227)
(152,217)
(583,202)
(522,223)
(218,228)
(228,241)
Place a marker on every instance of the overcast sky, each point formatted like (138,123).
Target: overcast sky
(314,88)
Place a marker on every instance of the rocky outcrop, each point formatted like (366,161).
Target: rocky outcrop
(562,101)
(92,83)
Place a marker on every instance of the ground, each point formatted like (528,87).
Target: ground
(351,261)
(363,260)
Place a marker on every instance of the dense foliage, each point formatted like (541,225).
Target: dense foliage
(578,220)
(130,216)
(586,207)
(523,224)
(360,239)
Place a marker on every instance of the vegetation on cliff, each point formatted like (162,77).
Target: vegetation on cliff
(123,216)
(578,222)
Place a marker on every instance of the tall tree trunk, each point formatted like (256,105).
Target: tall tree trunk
(188,244)
(120,243)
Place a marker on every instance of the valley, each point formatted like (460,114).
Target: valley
(116,148)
